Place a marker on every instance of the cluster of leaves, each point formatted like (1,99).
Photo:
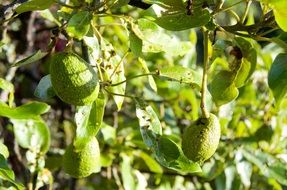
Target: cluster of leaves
(149,66)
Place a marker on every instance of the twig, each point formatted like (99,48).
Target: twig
(204,77)
(7,11)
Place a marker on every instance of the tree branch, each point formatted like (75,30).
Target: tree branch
(7,11)
(139,4)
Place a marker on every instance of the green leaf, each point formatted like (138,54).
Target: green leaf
(6,85)
(222,88)
(247,63)
(155,39)
(114,72)
(166,152)
(4,150)
(79,24)
(244,170)
(7,174)
(170,155)
(89,120)
(173,15)
(181,74)
(44,89)
(136,44)
(108,133)
(150,125)
(279,9)
(150,162)
(34,5)
(126,171)
(269,166)
(277,78)
(150,77)
(30,110)
(93,48)
(31,59)
(32,134)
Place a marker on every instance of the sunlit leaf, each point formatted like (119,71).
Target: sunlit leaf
(150,162)
(173,15)
(31,59)
(4,150)
(7,174)
(181,74)
(150,77)
(154,39)
(79,24)
(115,73)
(30,110)
(126,171)
(89,120)
(32,134)
(149,123)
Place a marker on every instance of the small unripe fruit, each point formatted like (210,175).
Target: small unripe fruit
(83,162)
(73,79)
(201,139)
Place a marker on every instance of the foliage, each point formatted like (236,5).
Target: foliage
(160,65)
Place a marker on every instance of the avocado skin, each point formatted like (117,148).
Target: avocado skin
(73,79)
(83,162)
(200,140)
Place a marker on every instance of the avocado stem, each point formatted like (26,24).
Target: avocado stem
(205,113)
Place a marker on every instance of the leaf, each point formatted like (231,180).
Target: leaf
(6,85)
(79,24)
(7,174)
(150,78)
(4,150)
(150,125)
(166,152)
(269,166)
(150,162)
(93,48)
(30,110)
(173,15)
(109,134)
(277,78)
(44,89)
(136,44)
(31,59)
(154,39)
(247,63)
(181,74)
(32,134)
(244,170)
(34,5)
(126,171)
(114,70)
(171,156)
(279,9)
(89,120)
(222,88)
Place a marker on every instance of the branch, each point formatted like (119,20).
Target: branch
(7,11)
(139,4)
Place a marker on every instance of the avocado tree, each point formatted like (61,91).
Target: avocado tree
(143,94)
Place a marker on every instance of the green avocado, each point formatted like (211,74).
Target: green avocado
(74,80)
(201,139)
(83,162)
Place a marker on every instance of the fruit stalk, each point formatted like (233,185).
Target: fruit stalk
(205,113)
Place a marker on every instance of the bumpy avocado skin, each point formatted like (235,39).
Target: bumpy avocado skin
(201,139)
(74,80)
(82,163)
